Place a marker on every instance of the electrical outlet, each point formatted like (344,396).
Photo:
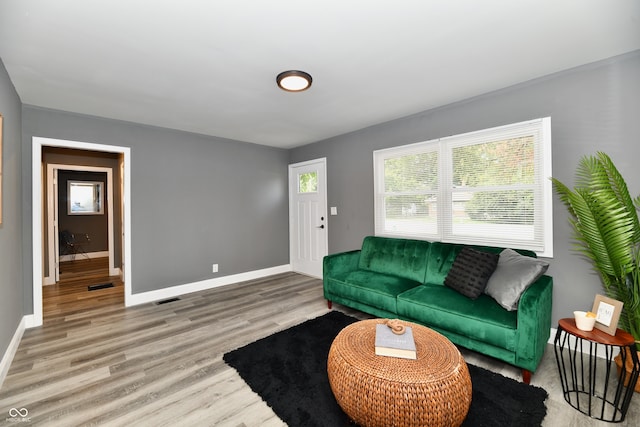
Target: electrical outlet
(215,268)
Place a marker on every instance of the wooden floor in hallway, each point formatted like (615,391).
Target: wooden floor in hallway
(72,294)
(99,363)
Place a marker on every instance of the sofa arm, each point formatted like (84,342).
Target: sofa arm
(343,262)
(534,323)
(337,265)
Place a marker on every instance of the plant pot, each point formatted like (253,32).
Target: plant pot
(628,368)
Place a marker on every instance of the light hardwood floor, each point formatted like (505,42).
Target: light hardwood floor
(97,363)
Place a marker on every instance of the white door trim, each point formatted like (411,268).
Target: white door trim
(292,240)
(53,224)
(37,215)
(51,199)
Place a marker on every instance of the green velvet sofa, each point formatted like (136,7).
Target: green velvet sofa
(403,278)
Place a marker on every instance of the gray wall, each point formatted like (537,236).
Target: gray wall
(195,200)
(11,281)
(592,108)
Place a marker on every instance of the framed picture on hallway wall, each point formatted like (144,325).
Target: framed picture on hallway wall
(85,198)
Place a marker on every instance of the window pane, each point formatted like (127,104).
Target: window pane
(308,182)
(411,173)
(495,163)
(499,207)
(499,214)
(411,214)
(504,207)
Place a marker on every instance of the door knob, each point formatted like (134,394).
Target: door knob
(321,226)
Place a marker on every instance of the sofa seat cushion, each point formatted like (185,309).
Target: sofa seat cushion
(481,319)
(374,289)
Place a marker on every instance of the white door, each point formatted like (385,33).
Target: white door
(308,216)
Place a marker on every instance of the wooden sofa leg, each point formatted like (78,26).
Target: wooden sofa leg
(526,376)
(329,304)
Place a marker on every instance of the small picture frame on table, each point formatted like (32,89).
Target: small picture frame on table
(607,311)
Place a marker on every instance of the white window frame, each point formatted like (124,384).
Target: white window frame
(542,243)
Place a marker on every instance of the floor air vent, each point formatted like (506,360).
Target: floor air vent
(167,300)
(100,286)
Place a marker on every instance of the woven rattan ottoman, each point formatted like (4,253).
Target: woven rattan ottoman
(434,390)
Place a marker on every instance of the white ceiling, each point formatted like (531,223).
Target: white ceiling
(209,66)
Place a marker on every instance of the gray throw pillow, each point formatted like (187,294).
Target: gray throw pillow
(470,271)
(513,275)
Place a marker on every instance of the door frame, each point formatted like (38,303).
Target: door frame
(292,243)
(52,197)
(37,217)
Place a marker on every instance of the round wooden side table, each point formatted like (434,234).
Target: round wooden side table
(590,380)
(373,390)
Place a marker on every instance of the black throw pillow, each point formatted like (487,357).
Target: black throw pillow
(471,271)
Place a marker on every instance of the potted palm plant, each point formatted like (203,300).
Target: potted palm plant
(607,231)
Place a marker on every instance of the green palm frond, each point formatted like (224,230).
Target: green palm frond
(564,192)
(606,229)
(607,240)
(619,186)
(603,227)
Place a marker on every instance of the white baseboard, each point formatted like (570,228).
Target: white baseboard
(7,358)
(174,291)
(585,346)
(84,255)
(30,321)
(552,336)
(50,280)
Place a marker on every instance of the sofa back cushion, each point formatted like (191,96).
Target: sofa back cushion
(399,257)
(442,255)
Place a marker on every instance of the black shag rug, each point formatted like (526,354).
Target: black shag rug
(289,372)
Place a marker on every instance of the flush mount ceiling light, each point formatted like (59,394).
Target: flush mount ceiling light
(294,81)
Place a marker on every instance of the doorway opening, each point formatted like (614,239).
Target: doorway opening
(42,235)
(70,235)
(83,246)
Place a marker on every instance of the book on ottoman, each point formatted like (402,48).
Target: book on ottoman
(390,344)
